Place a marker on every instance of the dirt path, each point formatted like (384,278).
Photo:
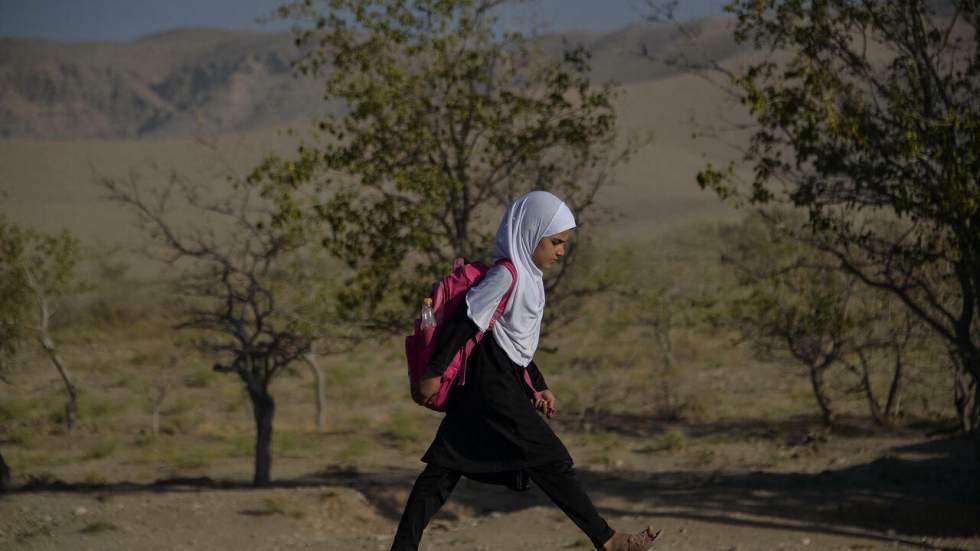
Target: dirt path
(901,502)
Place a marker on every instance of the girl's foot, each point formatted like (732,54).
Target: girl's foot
(641,541)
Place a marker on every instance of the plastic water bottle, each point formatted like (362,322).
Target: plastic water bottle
(428,319)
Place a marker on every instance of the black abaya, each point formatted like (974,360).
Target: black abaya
(491,424)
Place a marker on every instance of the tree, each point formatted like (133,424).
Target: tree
(792,301)
(887,335)
(35,269)
(446,121)
(231,285)
(868,119)
(667,286)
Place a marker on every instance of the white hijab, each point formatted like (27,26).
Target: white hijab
(529,219)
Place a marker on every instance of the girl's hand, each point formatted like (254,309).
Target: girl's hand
(546,404)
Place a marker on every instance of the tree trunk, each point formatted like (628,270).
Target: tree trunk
(4,475)
(156,420)
(823,401)
(264,409)
(876,414)
(976,417)
(321,389)
(965,391)
(71,404)
(893,403)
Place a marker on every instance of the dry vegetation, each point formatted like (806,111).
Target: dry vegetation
(720,435)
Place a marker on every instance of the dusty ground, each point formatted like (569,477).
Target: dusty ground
(896,491)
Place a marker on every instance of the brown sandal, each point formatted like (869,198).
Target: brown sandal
(641,541)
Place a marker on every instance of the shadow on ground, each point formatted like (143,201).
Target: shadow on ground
(930,489)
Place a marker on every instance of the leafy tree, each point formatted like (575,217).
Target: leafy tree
(868,118)
(446,121)
(793,302)
(35,269)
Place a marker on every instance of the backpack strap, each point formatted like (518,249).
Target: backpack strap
(505,262)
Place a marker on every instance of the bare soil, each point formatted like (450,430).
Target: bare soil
(900,490)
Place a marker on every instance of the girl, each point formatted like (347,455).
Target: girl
(492,432)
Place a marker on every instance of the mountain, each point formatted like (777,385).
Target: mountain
(176,83)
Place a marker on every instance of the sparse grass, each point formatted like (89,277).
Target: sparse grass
(241,445)
(341,376)
(404,430)
(28,459)
(285,441)
(26,410)
(356,449)
(147,440)
(93,408)
(98,526)
(197,457)
(101,450)
(357,423)
(671,440)
(277,505)
(201,377)
(126,381)
(40,479)
(177,407)
(20,436)
(139,359)
(94,479)
(149,455)
(183,424)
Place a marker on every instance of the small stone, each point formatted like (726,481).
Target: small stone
(196,506)
(81,511)
(805,541)
(47,518)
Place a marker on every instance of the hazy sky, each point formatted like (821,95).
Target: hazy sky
(128,19)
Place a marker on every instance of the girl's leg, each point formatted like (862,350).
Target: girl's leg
(431,490)
(558,482)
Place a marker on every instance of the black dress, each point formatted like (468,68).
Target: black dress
(491,425)
(491,433)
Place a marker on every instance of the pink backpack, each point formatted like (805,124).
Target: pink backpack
(447,296)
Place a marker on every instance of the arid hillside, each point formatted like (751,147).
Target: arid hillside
(193,101)
(176,83)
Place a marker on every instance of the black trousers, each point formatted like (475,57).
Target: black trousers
(556,480)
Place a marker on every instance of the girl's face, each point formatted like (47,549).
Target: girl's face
(550,249)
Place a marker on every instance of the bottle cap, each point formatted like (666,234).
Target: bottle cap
(427,301)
